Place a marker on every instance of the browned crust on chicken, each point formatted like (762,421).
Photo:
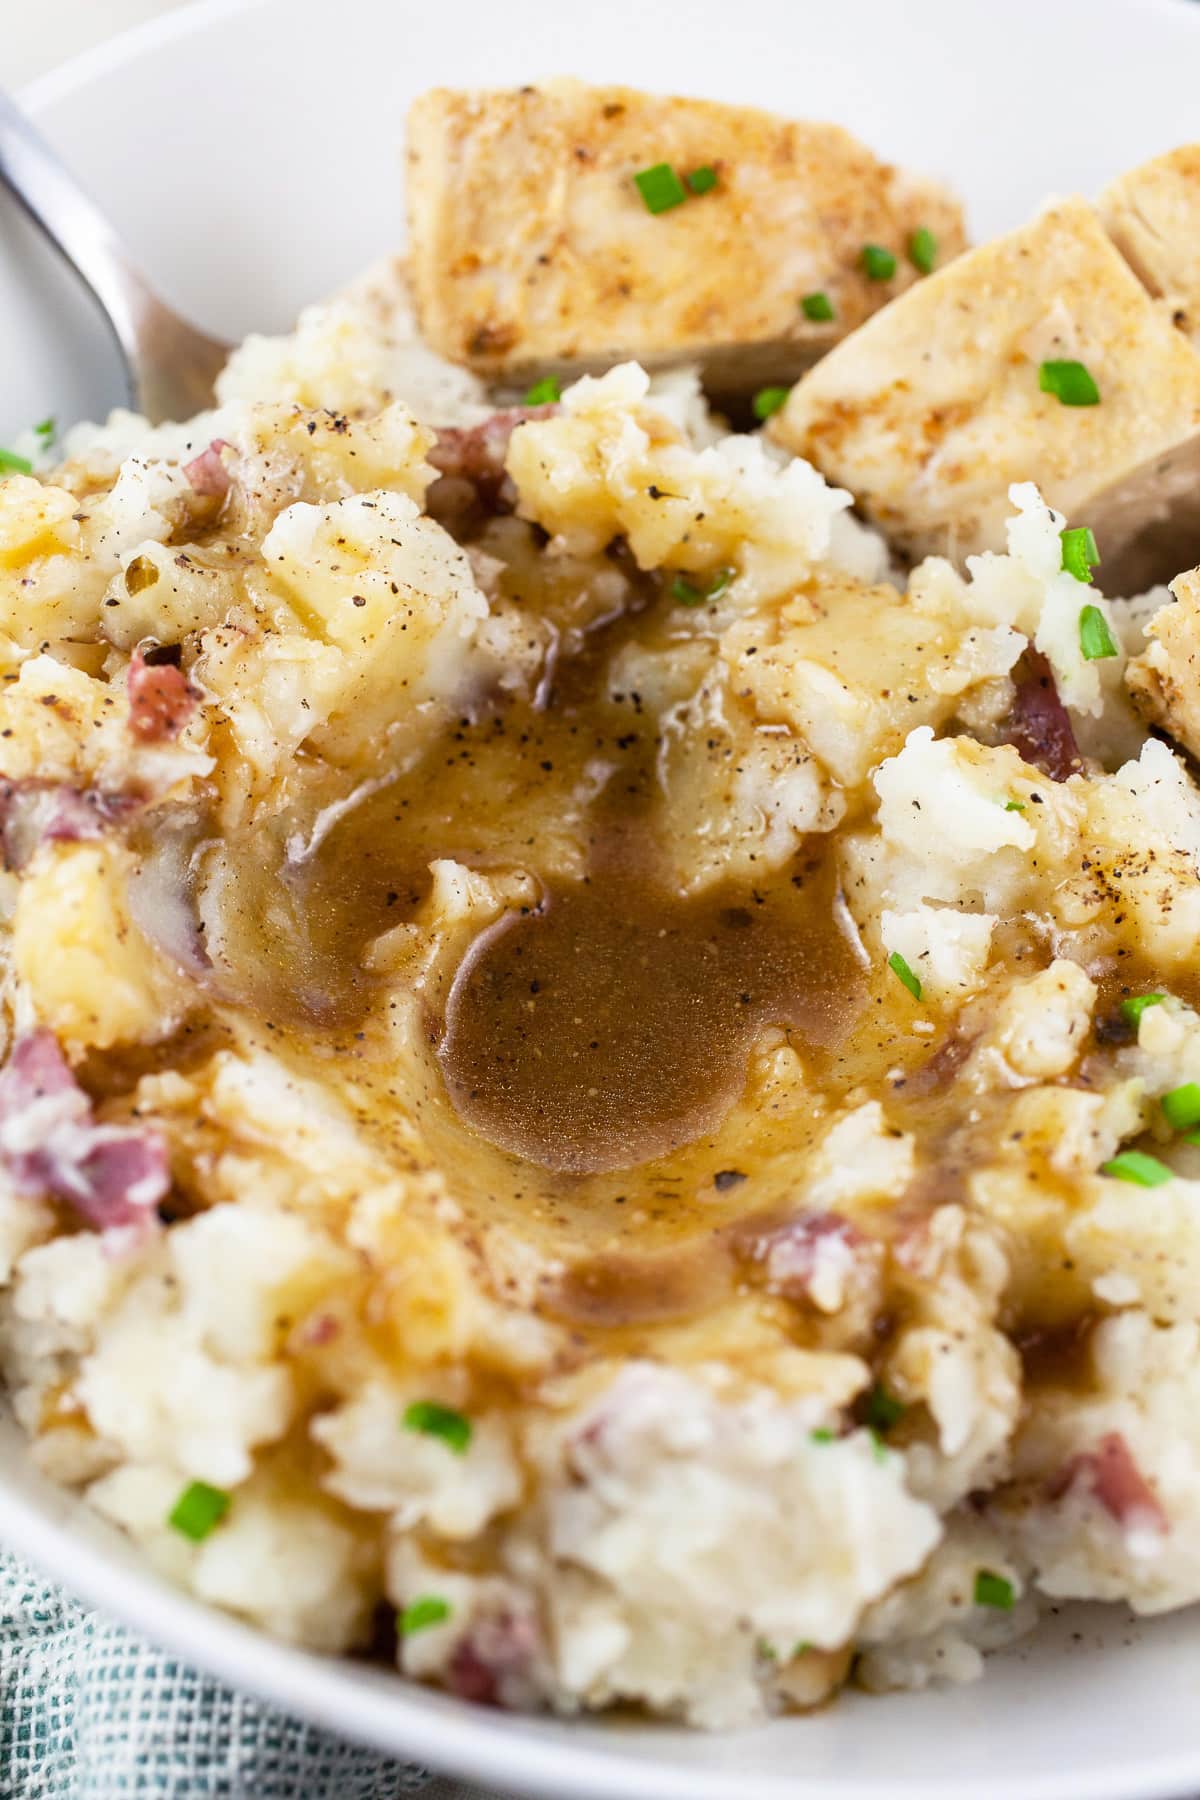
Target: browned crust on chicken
(532,247)
(934,407)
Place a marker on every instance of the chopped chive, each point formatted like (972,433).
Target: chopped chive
(1069,382)
(435,1420)
(767,1650)
(1079,552)
(818,307)
(1181,1107)
(1191,1137)
(993,1590)
(546,392)
(1014,806)
(881,1409)
(689,593)
(198,1510)
(703,179)
(878,264)
(1134,1165)
(822,1435)
(879,1449)
(45,430)
(902,972)
(1133,1008)
(421,1613)
(12,464)
(922,250)
(802,1648)
(768,400)
(660,188)
(1096,641)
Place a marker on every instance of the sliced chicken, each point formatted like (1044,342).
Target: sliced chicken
(1152,215)
(533,249)
(934,407)
(1165,680)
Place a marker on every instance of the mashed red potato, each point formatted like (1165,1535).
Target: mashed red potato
(598,1093)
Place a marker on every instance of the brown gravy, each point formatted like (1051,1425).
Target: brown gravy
(620,1288)
(613,1024)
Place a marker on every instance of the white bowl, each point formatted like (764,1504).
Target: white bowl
(249,151)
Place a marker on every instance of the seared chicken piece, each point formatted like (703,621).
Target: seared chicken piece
(934,407)
(533,249)
(1165,679)
(1152,215)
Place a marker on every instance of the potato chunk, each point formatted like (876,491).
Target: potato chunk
(377,639)
(532,247)
(851,669)
(91,974)
(931,410)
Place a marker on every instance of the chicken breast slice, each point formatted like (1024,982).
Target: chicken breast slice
(532,249)
(1152,215)
(1165,680)
(931,410)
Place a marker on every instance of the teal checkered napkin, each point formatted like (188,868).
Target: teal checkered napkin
(90,1712)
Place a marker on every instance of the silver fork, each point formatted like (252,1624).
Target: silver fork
(170,366)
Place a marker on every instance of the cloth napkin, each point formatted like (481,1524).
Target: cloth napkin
(88,1711)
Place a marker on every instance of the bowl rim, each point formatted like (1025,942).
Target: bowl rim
(59,82)
(381,1709)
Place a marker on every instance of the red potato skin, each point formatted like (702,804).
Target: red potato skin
(161,701)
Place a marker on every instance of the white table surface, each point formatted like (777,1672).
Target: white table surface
(34,36)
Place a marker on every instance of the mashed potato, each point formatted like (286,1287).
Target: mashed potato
(582,1067)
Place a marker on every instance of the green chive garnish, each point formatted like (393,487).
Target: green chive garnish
(1080,555)
(878,264)
(881,1409)
(702,180)
(45,430)
(546,392)
(198,1510)
(438,1421)
(879,1449)
(689,593)
(802,1648)
(922,250)
(421,1613)
(435,1420)
(1095,639)
(1069,382)
(768,400)
(1014,806)
(817,307)
(1133,1008)
(1134,1165)
(660,188)
(902,972)
(12,464)
(822,1435)
(993,1590)
(1181,1107)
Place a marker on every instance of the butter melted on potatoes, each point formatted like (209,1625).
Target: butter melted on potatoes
(583,1067)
